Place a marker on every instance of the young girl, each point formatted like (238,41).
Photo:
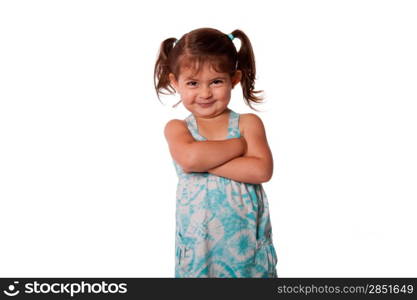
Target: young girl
(222,158)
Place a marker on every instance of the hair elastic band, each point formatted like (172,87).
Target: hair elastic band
(231,36)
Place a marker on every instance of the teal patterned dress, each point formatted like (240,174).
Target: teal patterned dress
(223,227)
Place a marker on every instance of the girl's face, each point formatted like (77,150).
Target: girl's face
(207,93)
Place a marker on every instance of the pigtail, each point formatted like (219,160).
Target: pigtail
(162,70)
(246,63)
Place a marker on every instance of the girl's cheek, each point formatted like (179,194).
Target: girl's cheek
(189,94)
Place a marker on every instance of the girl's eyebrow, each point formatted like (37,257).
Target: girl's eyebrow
(220,77)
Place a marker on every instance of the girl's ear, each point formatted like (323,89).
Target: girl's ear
(236,78)
(173,81)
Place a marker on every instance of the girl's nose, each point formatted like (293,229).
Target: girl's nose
(205,92)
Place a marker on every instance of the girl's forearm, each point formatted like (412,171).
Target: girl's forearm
(205,155)
(246,169)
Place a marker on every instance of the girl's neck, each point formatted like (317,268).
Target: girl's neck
(214,119)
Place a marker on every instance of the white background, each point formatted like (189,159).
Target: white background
(87,185)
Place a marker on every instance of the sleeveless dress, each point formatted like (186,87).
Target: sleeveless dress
(223,227)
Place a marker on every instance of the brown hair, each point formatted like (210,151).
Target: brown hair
(207,45)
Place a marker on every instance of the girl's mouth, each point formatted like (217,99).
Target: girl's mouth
(204,105)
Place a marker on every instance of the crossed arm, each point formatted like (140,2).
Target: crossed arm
(245,159)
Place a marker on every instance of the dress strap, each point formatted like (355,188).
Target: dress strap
(192,127)
(233,129)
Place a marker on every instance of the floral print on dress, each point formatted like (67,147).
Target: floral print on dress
(223,226)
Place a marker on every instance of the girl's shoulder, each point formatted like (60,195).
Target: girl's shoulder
(176,122)
(175,125)
(250,121)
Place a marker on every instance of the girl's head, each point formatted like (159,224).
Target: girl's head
(203,66)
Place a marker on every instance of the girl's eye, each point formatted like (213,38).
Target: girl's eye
(194,83)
